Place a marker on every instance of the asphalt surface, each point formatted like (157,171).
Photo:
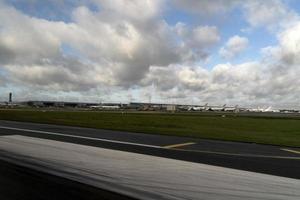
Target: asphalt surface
(274,160)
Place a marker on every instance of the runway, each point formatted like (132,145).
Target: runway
(267,159)
(154,166)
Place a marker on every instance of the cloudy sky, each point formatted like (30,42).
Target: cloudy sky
(244,52)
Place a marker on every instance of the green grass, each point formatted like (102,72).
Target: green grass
(265,130)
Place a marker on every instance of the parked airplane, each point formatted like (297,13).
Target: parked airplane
(268,109)
(103,107)
(218,108)
(111,107)
(232,109)
(198,108)
(3,103)
(258,109)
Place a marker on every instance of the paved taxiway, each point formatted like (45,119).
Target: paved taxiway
(275,160)
(90,156)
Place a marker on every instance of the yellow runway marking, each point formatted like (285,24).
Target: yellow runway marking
(292,151)
(179,145)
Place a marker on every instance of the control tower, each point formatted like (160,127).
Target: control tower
(10,98)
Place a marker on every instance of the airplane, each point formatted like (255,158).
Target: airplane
(111,107)
(232,109)
(9,104)
(268,109)
(218,108)
(3,104)
(258,109)
(105,107)
(198,108)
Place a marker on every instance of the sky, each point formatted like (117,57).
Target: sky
(234,52)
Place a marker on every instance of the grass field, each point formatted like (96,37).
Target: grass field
(265,130)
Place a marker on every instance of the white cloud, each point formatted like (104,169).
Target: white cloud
(206,35)
(234,46)
(287,52)
(139,10)
(205,7)
(195,42)
(130,46)
(193,78)
(116,44)
(272,81)
(289,45)
(271,14)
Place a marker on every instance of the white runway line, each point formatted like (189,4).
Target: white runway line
(170,147)
(179,145)
(147,177)
(77,136)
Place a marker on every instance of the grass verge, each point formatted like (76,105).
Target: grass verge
(264,130)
